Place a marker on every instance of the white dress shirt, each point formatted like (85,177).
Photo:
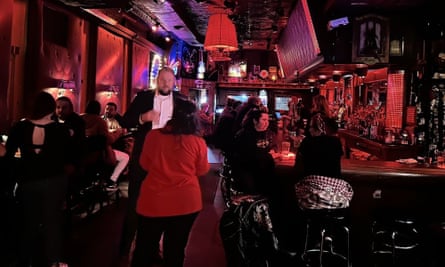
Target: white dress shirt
(163,105)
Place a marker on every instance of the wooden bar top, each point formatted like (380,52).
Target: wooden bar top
(351,140)
(389,168)
(380,168)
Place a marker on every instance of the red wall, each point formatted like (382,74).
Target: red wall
(140,75)
(6,7)
(59,63)
(109,67)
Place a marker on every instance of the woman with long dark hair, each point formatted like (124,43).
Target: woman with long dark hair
(45,149)
(253,164)
(170,197)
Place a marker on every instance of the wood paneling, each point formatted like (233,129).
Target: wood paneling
(298,47)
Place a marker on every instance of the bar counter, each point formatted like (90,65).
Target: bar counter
(387,152)
(384,189)
(385,168)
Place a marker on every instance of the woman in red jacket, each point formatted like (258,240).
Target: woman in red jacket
(170,196)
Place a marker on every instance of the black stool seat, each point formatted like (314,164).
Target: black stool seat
(327,236)
(395,236)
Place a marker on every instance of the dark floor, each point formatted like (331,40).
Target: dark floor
(94,240)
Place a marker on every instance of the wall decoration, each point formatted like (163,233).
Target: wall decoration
(190,58)
(370,40)
(264,74)
(174,58)
(155,66)
(397,47)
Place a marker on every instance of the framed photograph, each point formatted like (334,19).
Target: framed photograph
(396,48)
(370,40)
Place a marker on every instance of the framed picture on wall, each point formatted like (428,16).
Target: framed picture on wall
(189,61)
(370,40)
(396,47)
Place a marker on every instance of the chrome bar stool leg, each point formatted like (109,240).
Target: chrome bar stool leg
(322,233)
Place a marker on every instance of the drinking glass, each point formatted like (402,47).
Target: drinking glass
(440,159)
(285,147)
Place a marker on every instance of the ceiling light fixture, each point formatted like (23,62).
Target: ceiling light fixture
(221,34)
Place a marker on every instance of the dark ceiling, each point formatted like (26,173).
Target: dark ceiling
(258,22)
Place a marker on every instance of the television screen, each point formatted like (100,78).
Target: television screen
(281,103)
(243,97)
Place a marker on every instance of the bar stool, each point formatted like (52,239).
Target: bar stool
(395,237)
(324,202)
(327,236)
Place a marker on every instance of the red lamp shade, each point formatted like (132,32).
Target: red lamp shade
(221,34)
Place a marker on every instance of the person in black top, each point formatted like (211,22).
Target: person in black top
(65,114)
(320,153)
(45,153)
(253,102)
(223,133)
(253,165)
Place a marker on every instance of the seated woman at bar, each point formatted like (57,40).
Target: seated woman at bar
(320,153)
(253,164)
(253,102)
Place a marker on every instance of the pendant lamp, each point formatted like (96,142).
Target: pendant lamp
(221,34)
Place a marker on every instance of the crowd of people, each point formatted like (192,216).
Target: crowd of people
(250,145)
(168,154)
